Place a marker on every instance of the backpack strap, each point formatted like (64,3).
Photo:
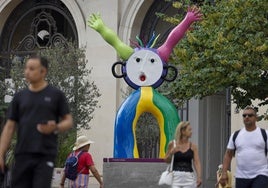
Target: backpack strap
(234,138)
(78,155)
(264,135)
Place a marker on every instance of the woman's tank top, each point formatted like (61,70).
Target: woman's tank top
(183,160)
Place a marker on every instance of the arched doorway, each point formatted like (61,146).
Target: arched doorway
(34,25)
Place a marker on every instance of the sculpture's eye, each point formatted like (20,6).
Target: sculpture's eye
(152,60)
(138,60)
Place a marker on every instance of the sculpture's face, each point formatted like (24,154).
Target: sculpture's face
(144,68)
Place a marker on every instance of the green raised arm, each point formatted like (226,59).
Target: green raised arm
(96,23)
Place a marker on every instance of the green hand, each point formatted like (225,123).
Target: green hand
(96,23)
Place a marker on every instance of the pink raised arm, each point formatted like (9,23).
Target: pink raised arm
(193,14)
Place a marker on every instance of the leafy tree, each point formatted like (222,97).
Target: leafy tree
(227,49)
(3,105)
(67,71)
(3,92)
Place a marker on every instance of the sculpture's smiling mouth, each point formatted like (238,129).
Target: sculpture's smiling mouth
(142,77)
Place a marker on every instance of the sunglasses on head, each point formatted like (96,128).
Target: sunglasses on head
(248,115)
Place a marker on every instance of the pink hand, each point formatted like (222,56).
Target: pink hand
(193,14)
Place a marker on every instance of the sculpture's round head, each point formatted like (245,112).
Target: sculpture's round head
(144,68)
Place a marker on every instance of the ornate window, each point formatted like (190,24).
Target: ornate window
(152,23)
(34,25)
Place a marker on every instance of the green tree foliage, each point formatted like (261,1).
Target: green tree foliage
(227,49)
(3,105)
(3,92)
(68,71)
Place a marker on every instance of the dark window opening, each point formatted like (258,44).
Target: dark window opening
(32,26)
(147,136)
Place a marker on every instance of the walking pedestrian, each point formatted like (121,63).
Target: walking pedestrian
(37,113)
(250,148)
(184,152)
(85,163)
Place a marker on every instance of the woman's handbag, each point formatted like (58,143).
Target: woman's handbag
(166,177)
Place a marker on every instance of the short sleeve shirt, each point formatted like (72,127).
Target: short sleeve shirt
(30,108)
(250,156)
(84,162)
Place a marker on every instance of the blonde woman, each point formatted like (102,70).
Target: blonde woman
(185,158)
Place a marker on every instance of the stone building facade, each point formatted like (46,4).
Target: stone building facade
(211,117)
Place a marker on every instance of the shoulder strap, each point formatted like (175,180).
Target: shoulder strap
(264,135)
(172,159)
(234,138)
(80,153)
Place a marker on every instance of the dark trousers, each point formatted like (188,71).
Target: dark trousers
(259,181)
(32,171)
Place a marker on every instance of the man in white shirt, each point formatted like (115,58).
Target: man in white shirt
(251,159)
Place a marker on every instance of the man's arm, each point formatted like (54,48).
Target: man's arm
(65,123)
(51,126)
(226,164)
(5,141)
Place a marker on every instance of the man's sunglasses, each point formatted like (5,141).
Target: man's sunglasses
(248,115)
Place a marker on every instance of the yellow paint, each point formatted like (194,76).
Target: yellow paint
(146,104)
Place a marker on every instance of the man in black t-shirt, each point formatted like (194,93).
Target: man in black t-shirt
(37,113)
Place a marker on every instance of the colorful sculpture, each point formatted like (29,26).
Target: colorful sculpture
(144,68)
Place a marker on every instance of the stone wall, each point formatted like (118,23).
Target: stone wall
(132,173)
(122,173)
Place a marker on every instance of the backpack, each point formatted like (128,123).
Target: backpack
(264,135)
(71,165)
